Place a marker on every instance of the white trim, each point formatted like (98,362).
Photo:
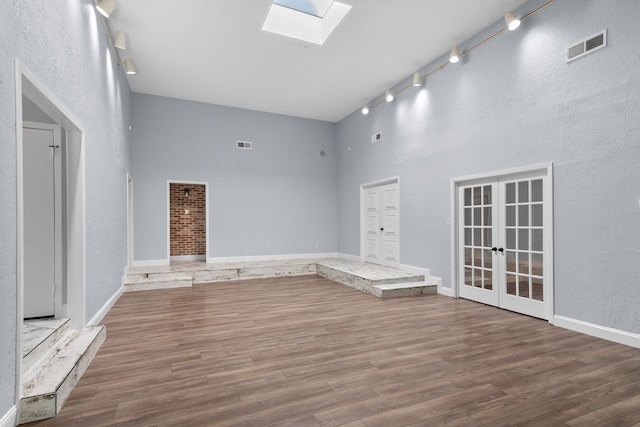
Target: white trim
(151,263)
(349,257)
(380,182)
(448,292)
(610,334)
(106,307)
(10,418)
(415,270)
(509,173)
(130,247)
(206,199)
(259,258)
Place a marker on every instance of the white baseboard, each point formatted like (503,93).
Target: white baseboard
(448,292)
(106,307)
(9,419)
(610,334)
(416,270)
(259,258)
(151,263)
(348,257)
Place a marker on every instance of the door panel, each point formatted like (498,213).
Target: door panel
(39,223)
(382,224)
(501,243)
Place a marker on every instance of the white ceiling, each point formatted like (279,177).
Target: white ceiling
(214,51)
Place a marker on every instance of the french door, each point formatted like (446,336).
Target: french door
(381,218)
(504,242)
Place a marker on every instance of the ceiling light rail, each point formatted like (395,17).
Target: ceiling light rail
(511,21)
(117,40)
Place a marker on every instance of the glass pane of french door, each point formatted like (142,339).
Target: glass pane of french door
(523,227)
(478,222)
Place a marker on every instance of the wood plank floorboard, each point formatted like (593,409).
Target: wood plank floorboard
(305,351)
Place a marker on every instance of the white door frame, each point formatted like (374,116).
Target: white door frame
(456,183)
(206,194)
(58,249)
(28,84)
(129,221)
(363,211)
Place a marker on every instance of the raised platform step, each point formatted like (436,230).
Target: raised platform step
(160,280)
(361,276)
(396,290)
(38,336)
(49,382)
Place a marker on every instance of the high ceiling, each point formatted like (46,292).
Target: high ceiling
(214,51)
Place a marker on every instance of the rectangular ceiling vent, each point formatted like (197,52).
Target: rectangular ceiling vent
(593,43)
(244,145)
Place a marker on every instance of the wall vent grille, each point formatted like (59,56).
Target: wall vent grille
(588,45)
(244,145)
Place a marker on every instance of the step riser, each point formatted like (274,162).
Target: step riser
(406,292)
(48,385)
(345,278)
(145,286)
(248,273)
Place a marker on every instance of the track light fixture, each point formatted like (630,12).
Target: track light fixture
(512,21)
(510,18)
(129,66)
(105,7)
(417,80)
(455,55)
(120,40)
(388,95)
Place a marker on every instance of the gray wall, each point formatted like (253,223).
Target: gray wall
(276,199)
(65,46)
(511,103)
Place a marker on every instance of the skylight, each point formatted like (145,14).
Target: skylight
(307,20)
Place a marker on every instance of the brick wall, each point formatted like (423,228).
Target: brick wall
(187,221)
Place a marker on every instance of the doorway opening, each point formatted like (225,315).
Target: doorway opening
(187,221)
(503,240)
(56,144)
(380,222)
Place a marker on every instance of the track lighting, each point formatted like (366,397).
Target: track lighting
(455,55)
(388,95)
(365,109)
(129,66)
(105,7)
(511,20)
(120,40)
(417,80)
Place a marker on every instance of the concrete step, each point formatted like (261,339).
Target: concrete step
(161,280)
(396,290)
(48,384)
(365,277)
(214,274)
(40,335)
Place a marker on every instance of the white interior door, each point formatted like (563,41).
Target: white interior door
(504,243)
(382,224)
(40,198)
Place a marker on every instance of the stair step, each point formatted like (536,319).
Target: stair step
(365,277)
(48,384)
(163,280)
(41,335)
(396,290)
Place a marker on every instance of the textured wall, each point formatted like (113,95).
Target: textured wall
(278,198)
(64,45)
(515,102)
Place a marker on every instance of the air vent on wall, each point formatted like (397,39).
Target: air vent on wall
(593,43)
(244,145)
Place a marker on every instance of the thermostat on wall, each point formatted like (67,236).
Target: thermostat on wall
(376,137)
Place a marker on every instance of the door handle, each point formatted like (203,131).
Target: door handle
(494,249)
(381,228)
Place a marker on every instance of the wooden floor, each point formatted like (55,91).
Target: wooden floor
(305,351)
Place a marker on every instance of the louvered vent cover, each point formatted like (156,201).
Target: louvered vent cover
(595,42)
(244,145)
